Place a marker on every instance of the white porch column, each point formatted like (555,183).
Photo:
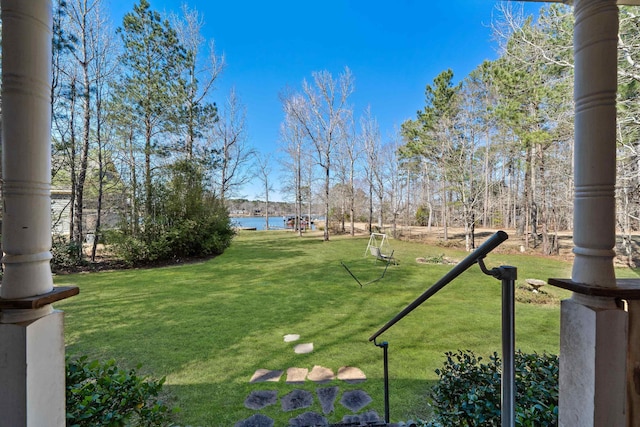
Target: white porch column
(593,329)
(26,157)
(31,339)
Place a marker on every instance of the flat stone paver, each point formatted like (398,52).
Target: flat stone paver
(320,374)
(536,284)
(259,399)
(262,375)
(296,375)
(303,348)
(297,399)
(351,375)
(327,397)
(257,420)
(308,419)
(355,400)
(362,419)
(291,337)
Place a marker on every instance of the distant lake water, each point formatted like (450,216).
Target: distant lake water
(258,222)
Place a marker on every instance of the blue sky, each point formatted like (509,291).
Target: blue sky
(394,49)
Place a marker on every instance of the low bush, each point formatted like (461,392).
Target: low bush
(468,391)
(66,254)
(101,394)
(207,235)
(422,216)
(526,295)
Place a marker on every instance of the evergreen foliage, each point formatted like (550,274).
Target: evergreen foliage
(153,84)
(102,394)
(188,221)
(468,391)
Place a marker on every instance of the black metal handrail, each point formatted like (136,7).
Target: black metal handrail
(508,276)
(490,244)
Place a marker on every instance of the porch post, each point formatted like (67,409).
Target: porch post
(31,339)
(594,329)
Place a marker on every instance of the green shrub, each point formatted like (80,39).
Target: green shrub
(129,249)
(526,295)
(468,391)
(101,394)
(66,254)
(422,216)
(433,259)
(187,220)
(208,235)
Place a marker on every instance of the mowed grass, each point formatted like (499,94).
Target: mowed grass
(208,326)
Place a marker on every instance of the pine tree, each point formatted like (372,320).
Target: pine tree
(153,84)
(434,134)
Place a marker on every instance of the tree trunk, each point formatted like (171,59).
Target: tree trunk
(327,183)
(547,244)
(135,222)
(299,189)
(148,201)
(523,227)
(429,202)
(445,231)
(487,177)
(72,158)
(370,205)
(343,212)
(266,208)
(380,211)
(84,157)
(101,173)
(352,202)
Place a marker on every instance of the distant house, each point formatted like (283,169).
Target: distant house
(60,211)
(61,215)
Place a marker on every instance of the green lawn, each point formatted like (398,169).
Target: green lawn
(208,326)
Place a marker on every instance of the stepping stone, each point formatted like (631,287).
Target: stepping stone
(327,396)
(303,348)
(291,337)
(535,284)
(297,399)
(262,375)
(257,420)
(351,375)
(362,419)
(296,375)
(355,400)
(261,398)
(320,374)
(308,419)
(370,417)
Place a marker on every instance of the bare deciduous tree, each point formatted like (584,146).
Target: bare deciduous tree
(263,172)
(293,145)
(201,75)
(234,154)
(323,116)
(370,135)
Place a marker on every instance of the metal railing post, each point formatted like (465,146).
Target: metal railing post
(508,275)
(385,348)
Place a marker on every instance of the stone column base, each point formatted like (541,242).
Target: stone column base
(32,373)
(593,343)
